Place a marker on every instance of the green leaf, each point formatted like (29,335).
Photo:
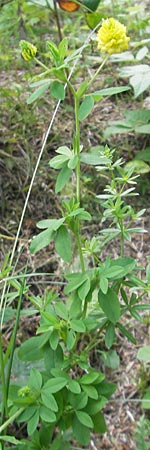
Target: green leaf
(91,4)
(74,387)
(61,310)
(85,419)
(78,401)
(78,325)
(47,415)
(93,160)
(144,154)
(73,162)
(41,240)
(110,91)
(138,166)
(99,423)
(63,47)
(104,285)
(56,384)
(146,399)
(110,305)
(94,406)
(37,93)
(30,350)
(11,440)
(111,359)
(62,178)
(84,289)
(51,224)
(35,380)
(93,19)
(144,353)
(86,107)
(58,161)
(57,90)
(63,244)
(54,339)
(81,433)
(48,399)
(90,377)
(75,280)
(33,423)
(91,391)
(110,335)
(71,339)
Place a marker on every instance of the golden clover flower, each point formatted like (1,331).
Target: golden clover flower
(28,50)
(112,37)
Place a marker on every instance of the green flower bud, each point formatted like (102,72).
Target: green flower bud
(28,50)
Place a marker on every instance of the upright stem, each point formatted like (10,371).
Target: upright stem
(77,148)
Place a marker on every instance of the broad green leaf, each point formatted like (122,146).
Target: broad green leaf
(146,399)
(54,339)
(30,350)
(144,353)
(93,160)
(144,154)
(35,380)
(103,284)
(51,224)
(111,359)
(110,335)
(78,401)
(57,90)
(71,339)
(110,305)
(48,399)
(78,325)
(10,440)
(94,406)
(64,150)
(61,310)
(74,281)
(47,415)
(89,378)
(38,93)
(81,433)
(127,265)
(84,418)
(63,244)
(74,386)
(72,163)
(84,289)
(138,165)
(56,384)
(41,240)
(143,129)
(81,90)
(94,18)
(99,423)
(92,5)
(33,423)
(110,91)
(106,388)
(63,47)
(91,391)
(62,178)
(86,107)
(58,161)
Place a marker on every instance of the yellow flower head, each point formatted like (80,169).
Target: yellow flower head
(112,37)
(28,50)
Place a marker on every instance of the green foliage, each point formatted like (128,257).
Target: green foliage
(62,399)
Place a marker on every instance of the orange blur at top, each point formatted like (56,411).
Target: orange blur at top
(68,6)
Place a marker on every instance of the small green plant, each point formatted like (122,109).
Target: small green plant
(142,434)
(62,401)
